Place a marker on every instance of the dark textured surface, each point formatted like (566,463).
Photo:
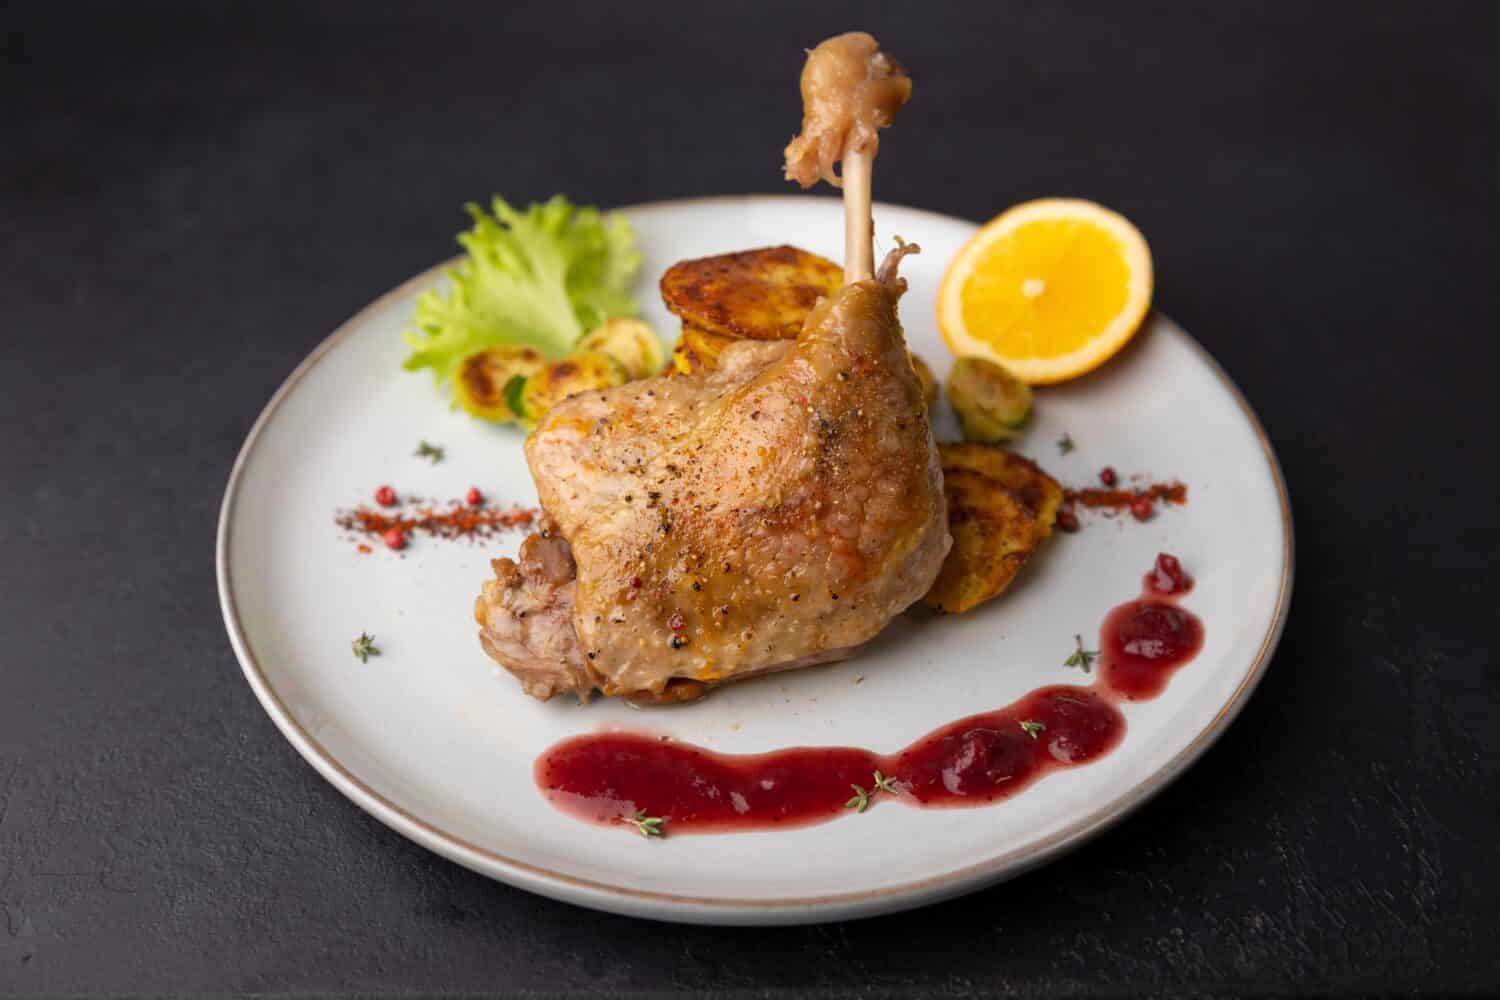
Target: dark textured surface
(190,201)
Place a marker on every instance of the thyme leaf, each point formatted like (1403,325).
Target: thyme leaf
(861,799)
(364,647)
(1081,658)
(646,826)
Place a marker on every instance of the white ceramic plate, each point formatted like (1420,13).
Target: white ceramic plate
(435,742)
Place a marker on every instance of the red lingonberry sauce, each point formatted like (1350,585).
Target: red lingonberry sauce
(1143,642)
(1167,576)
(992,756)
(608,777)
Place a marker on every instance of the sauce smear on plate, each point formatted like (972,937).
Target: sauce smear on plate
(1143,642)
(610,777)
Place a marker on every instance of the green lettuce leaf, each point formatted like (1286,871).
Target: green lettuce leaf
(543,277)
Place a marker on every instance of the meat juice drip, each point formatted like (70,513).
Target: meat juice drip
(608,777)
(975,761)
(1143,642)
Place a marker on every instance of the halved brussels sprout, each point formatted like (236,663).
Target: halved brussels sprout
(556,382)
(991,403)
(628,341)
(479,385)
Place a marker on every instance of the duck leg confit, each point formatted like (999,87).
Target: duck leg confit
(774,513)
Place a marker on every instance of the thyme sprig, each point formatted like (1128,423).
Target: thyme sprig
(646,826)
(1081,658)
(860,801)
(433,453)
(364,647)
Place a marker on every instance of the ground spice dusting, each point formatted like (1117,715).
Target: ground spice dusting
(453,520)
(1121,499)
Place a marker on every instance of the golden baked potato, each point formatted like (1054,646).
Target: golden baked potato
(994,533)
(760,294)
(1000,508)
(698,350)
(1020,475)
(703,345)
(683,361)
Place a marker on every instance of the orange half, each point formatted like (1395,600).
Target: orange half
(1049,289)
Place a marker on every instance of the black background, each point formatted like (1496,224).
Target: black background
(190,199)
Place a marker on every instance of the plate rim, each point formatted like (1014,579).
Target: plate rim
(668,906)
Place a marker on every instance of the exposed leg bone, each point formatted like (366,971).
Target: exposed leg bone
(859,249)
(850,91)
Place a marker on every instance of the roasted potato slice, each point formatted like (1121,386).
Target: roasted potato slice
(760,294)
(705,346)
(680,362)
(994,533)
(684,360)
(1022,476)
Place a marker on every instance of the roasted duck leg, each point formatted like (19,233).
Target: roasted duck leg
(774,513)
